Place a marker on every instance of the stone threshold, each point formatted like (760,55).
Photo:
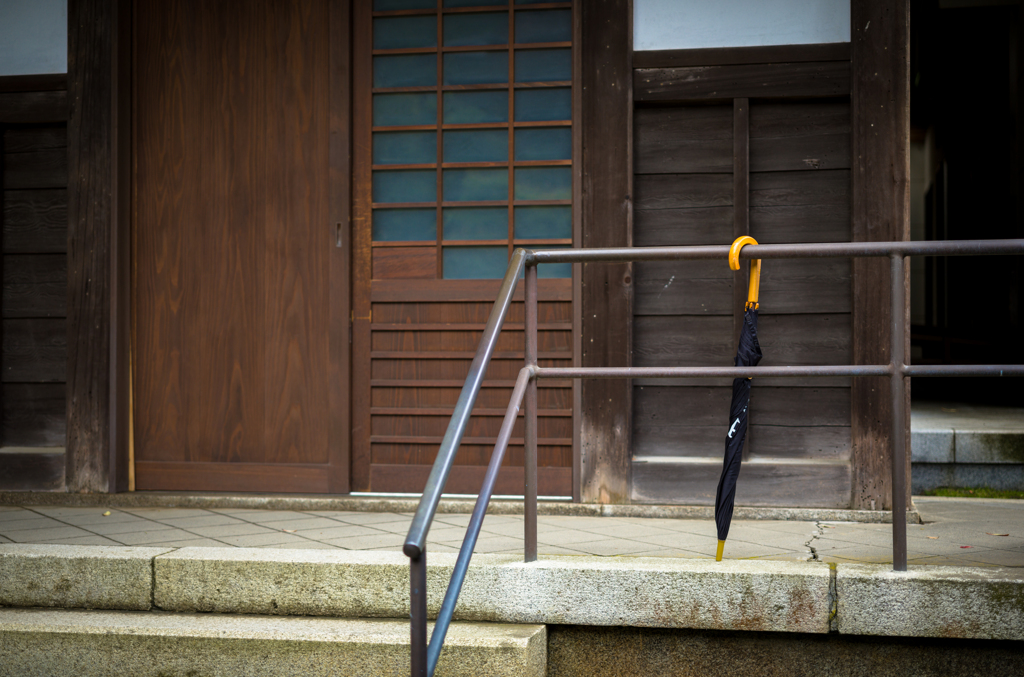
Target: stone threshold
(305,502)
(642,592)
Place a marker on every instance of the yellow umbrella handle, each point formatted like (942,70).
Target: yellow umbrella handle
(755,269)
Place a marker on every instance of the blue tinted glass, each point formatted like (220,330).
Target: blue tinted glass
(474,107)
(406,185)
(387,5)
(554,270)
(475,68)
(400,225)
(400,32)
(485,145)
(392,110)
(531,2)
(475,263)
(476,223)
(488,28)
(536,105)
(406,70)
(543,183)
(541,223)
(404,148)
(544,143)
(543,65)
(471,185)
(475,3)
(553,26)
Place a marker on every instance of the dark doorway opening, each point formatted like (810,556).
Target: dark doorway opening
(967,61)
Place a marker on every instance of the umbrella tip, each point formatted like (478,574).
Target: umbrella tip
(721,547)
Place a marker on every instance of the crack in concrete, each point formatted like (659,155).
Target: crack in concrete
(819,531)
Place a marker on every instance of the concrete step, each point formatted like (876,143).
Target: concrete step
(141,643)
(962,445)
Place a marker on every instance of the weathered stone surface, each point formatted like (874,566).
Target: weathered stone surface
(86,643)
(575,651)
(155,499)
(90,577)
(634,591)
(930,601)
(931,446)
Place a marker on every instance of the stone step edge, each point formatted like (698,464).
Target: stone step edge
(753,595)
(154,642)
(149,499)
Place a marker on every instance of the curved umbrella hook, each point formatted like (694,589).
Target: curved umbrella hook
(755,269)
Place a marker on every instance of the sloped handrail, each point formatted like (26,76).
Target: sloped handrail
(424,656)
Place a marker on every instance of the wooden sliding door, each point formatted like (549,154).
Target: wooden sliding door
(464,150)
(240,292)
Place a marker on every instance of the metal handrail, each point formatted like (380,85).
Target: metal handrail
(424,656)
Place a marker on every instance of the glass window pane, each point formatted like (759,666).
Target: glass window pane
(531,2)
(400,225)
(476,223)
(543,65)
(406,185)
(553,26)
(536,105)
(554,270)
(475,3)
(543,183)
(405,70)
(488,28)
(388,5)
(400,32)
(475,107)
(465,185)
(485,145)
(475,68)
(392,110)
(475,263)
(538,223)
(544,143)
(404,148)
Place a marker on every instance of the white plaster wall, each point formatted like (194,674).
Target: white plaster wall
(33,37)
(690,24)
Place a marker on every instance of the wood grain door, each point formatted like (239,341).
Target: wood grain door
(240,290)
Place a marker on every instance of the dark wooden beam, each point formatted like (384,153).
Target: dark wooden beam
(340,181)
(99,52)
(28,469)
(814,79)
(33,107)
(881,211)
(728,56)
(607,297)
(740,203)
(46,82)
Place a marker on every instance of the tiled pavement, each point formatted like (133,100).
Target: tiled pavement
(966,532)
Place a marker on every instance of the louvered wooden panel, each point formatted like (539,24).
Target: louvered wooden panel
(420,353)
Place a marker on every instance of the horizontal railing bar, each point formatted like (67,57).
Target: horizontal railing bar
(785,372)
(712,372)
(451,595)
(417,537)
(781,251)
(995,370)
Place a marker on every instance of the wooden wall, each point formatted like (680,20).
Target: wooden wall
(34,177)
(726,143)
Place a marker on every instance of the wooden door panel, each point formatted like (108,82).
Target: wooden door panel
(233,260)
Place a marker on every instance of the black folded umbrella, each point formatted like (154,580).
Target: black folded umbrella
(747,355)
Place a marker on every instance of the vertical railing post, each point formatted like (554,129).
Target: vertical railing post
(530,414)
(418,613)
(897,382)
